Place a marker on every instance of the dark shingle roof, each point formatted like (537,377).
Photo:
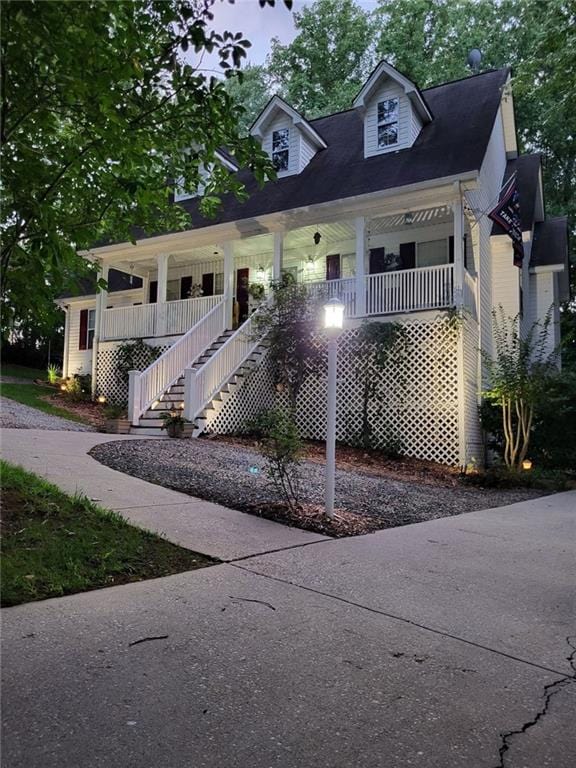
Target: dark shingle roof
(528,169)
(117,281)
(454,142)
(550,243)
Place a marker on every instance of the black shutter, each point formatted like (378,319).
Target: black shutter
(153,291)
(208,284)
(451,249)
(465,251)
(185,287)
(83,329)
(407,255)
(377,261)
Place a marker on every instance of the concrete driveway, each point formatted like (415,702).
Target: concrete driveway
(444,644)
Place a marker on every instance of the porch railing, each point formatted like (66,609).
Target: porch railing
(203,384)
(344,289)
(409,290)
(147,386)
(150,320)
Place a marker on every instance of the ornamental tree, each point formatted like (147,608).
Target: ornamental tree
(99,101)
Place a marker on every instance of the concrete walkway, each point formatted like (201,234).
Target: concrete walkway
(447,644)
(62,458)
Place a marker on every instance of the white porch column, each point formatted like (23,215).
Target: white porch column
(228,249)
(360,226)
(162,261)
(66,342)
(101,301)
(277,258)
(458,212)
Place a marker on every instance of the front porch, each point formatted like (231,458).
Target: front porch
(379,266)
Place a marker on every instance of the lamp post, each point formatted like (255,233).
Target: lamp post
(333,322)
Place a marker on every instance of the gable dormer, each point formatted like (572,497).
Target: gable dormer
(286,137)
(394,111)
(220,157)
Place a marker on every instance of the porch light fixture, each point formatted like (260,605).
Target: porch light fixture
(317,237)
(408,218)
(334,315)
(260,274)
(526,464)
(333,322)
(310,263)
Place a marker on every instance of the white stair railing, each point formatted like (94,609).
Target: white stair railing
(204,383)
(147,386)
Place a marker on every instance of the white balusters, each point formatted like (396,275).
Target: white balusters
(150,384)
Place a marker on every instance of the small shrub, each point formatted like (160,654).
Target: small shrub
(78,388)
(134,356)
(281,445)
(116,411)
(53,374)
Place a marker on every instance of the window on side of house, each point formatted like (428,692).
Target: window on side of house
(387,123)
(91,328)
(281,148)
(432,253)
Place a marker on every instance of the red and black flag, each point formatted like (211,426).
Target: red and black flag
(507,214)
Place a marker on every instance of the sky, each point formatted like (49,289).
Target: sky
(260,25)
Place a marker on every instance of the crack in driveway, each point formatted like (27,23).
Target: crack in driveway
(549,691)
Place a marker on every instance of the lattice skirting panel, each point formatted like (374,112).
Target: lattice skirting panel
(108,383)
(253,395)
(416,408)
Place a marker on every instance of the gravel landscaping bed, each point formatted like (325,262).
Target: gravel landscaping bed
(235,476)
(15,415)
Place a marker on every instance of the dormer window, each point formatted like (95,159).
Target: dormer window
(387,123)
(280,148)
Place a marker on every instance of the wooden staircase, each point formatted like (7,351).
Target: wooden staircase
(173,399)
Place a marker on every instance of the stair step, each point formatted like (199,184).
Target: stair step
(147,431)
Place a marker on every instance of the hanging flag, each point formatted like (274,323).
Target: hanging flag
(507,214)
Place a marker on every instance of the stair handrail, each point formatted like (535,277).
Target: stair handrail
(144,387)
(204,383)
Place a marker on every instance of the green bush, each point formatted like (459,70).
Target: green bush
(553,433)
(281,445)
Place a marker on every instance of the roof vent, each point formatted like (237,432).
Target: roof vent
(474,59)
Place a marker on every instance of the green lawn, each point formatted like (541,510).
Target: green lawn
(54,544)
(32,394)
(21,372)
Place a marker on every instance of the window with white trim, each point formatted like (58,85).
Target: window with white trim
(432,253)
(280,148)
(387,123)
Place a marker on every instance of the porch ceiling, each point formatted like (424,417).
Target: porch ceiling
(440,214)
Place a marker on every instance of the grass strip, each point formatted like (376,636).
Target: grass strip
(32,394)
(54,544)
(22,372)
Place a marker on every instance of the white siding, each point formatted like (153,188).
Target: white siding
(490,181)
(280,122)
(506,277)
(307,151)
(543,295)
(407,123)
(80,360)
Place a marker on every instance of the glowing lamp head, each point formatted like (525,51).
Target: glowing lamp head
(526,464)
(334,315)
(101,399)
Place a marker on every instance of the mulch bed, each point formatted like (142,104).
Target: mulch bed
(92,413)
(369,462)
(311,517)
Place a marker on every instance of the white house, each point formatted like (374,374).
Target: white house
(384,205)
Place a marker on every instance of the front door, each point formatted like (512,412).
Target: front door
(333,267)
(242,296)
(208,284)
